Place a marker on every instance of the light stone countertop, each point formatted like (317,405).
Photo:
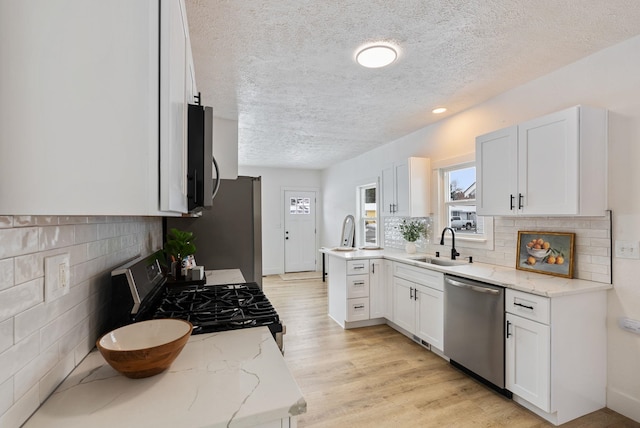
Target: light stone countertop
(224,276)
(530,282)
(230,379)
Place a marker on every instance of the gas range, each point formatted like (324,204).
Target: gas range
(141,292)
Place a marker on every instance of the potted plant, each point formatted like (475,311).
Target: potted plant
(411,231)
(178,248)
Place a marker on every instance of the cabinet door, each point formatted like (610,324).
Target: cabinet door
(496,163)
(404,304)
(388,289)
(402,189)
(173,107)
(528,361)
(430,316)
(548,160)
(387,205)
(377,290)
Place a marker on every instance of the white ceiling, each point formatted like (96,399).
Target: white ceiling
(286,70)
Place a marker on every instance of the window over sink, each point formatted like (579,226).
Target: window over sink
(458,205)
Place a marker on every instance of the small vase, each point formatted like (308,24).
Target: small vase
(410,247)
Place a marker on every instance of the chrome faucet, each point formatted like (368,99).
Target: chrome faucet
(454,253)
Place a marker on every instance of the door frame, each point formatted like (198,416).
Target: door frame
(315,190)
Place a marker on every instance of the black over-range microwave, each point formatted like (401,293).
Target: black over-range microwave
(203,173)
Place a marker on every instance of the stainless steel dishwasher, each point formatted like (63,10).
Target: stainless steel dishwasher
(474,329)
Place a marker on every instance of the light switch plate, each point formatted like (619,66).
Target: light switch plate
(627,249)
(57,276)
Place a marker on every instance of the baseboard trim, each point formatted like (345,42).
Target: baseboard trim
(623,403)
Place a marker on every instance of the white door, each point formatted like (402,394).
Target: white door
(299,231)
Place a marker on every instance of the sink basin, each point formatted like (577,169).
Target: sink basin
(447,262)
(438,261)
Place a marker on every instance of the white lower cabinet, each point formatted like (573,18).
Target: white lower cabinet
(377,289)
(357,291)
(528,358)
(555,353)
(418,303)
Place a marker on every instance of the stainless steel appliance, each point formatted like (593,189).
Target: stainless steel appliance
(228,235)
(474,329)
(140,291)
(201,165)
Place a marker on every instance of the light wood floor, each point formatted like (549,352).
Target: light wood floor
(376,377)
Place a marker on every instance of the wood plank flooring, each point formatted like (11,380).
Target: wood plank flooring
(376,377)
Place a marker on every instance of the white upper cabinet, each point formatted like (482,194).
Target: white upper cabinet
(553,165)
(81,95)
(405,188)
(175,86)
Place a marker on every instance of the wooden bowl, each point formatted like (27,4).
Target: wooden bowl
(145,348)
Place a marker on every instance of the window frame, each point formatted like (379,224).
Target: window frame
(360,218)
(479,241)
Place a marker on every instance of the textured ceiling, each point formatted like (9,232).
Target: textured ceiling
(285,68)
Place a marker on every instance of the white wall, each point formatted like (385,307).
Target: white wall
(274,181)
(610,79)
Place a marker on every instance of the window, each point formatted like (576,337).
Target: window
(367,233)
(299,206)
(460,200)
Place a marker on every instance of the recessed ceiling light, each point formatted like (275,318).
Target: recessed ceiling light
(438,110)
(376,56)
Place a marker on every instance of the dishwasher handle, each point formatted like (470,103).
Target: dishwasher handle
(477,288)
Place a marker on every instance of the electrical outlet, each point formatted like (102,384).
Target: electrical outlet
(627,249)
(57,276)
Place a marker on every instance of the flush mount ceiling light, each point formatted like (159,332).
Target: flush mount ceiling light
(376,56)
(438,110)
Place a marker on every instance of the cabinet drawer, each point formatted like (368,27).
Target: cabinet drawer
(529,306)
(357,286)
(418,275)
(357,267)
(358,309)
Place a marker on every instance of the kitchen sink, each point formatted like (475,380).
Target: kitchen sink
(439,261)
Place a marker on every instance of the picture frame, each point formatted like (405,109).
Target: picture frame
(549,253)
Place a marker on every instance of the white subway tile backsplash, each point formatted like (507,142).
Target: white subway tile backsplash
(19,355)
(18,241)
(6,221)
(21,297)
(31,373)
(21,409)
(6,274)
(592,243)
(6,395)
(6,335)
(41,342)
(56,237)
(56,375)
(86,233)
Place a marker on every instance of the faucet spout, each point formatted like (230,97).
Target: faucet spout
(454,253)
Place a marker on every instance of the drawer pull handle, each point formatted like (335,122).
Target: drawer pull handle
(359,283)
(358,267)
(524,306)
(359,307)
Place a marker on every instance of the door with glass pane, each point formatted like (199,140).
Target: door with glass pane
(299,231)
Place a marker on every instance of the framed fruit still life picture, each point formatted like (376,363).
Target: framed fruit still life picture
(550,253)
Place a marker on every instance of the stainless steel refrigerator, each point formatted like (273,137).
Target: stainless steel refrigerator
(228,235)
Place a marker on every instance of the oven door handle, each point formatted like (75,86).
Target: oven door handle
(476,288)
